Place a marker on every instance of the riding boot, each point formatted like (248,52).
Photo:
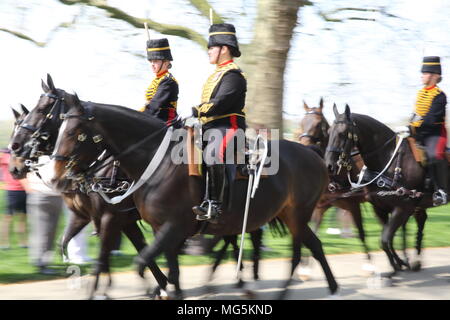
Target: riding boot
(440,177)
(212,207)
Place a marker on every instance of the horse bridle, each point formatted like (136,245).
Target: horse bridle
(350,143)
(39,135)
(72,159)
(314,139)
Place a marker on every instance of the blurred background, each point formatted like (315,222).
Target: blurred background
(364,53)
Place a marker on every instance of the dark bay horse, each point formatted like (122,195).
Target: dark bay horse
(165,200)
(91,206)
(406,195)
(314,131)
(35,130)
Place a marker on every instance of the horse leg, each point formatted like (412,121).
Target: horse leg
(405,245)
(399,217)
(174,269)
(355,210)
(220,255)
(296,257)
(313,243)
(317,217)
(76,224)
(169,237)
(420,215)
(256,237)
(134,234)
(233,242)
(109,231)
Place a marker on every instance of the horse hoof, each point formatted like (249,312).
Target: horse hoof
(140,266)
(335,296)
(378,281)
(239,284)
(368,269)
(416,266)
(101,297)
(304,274)
(249,294)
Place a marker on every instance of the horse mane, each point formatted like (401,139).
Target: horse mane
(106,112)
(370,120)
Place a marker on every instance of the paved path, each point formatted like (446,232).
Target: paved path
(433,282)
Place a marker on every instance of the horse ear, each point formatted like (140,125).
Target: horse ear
(335,110)
(24,109)
(16,113)
(347,111)
(77,103)
(305,106)
(44,86)
(321,103)
(50,83)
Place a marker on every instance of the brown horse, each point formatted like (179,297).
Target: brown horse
(165,200)
(402,190)
(35,135)
(314,131)
(93,207)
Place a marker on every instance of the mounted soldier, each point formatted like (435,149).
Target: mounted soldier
(428,126)
(221,114)
(162,94)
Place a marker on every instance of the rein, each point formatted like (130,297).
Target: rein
(94,168)
(148,172)
(361,175)
(353,138)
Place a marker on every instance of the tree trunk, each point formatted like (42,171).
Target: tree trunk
(265,62)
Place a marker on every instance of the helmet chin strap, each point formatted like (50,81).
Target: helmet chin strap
(218,55)
(160,67)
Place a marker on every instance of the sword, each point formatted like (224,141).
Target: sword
(250,194)
(244,226)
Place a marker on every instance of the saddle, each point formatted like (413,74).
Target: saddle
(420,154)
(195,162)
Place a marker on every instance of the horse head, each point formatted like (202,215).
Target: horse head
(77,146)
(34,135)
(314,127)
(343,138)
(16,168)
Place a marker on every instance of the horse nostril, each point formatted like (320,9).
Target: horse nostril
(15,146)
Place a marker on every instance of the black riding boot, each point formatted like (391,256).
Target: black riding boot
(439,174)
(212,207)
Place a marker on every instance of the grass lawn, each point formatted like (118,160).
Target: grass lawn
(15,267)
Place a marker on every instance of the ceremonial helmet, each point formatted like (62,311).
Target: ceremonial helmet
(432,65)
(158,49)
(224,34)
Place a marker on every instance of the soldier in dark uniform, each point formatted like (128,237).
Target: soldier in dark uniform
(221,113)
(428,126)
(162,94)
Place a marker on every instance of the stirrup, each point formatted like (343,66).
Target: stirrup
(439,198)
(211,213)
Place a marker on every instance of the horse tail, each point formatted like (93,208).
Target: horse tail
(277,227)
(316,149)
